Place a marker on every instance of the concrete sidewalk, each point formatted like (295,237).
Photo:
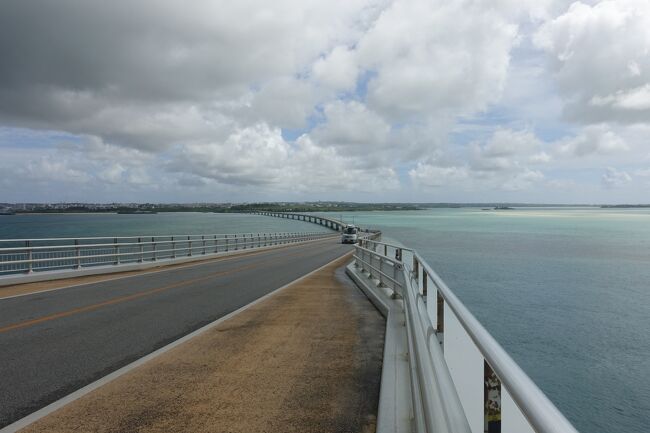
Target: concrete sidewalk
(307,359)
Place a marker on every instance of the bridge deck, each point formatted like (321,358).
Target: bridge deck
(306,359)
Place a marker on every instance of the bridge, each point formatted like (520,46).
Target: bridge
(324,221)
(248,332)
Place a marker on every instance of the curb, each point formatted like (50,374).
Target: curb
(395,394)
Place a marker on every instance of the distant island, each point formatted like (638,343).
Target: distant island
(624,206)
(153,208)
(137,212)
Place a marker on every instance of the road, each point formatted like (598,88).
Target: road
(56,342)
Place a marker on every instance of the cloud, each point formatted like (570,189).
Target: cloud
(506,150)
(599,57)
(523,180)
(249,156)
(597,139)
(338,70)
(425,64)
(259,156)
(112,174)
(286,102)
(148,75)
(642,172)
(613,178)
(46,169)
(501,162)
(298,98)
(431,176)
(351,125)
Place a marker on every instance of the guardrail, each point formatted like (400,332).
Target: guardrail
(461,378)
(33,255)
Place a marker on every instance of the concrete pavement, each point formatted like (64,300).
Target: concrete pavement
(307,359)
(55,342)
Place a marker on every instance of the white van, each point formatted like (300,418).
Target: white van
(349,235)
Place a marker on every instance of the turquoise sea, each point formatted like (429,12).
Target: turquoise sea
(566,291)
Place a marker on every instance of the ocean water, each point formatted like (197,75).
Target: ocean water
(566,291)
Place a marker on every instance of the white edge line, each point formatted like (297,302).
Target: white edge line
(41,413)
(229,255)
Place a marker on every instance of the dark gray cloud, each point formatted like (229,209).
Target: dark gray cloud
(83,66)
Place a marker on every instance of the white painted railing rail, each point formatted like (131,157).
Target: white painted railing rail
(32,255)
(453,354)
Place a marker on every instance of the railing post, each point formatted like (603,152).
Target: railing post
(416,269)
(424,283)
(203,241)
(440,326)
(226,243)
(153,248)
(216,244)
(30,257)
(78,253)
(117,251)
(173,248)
(141,251)
(381,272)
(236,243)
(189,245)
(491,398)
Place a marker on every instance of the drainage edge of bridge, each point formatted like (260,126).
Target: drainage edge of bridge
(395,410)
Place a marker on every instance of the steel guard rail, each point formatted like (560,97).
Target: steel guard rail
(428,302)
(31,255)
(436,407)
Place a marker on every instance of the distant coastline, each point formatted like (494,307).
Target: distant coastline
(624,206)
(153,208)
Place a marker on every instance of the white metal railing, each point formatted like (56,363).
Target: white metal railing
(31,255)
(452,355)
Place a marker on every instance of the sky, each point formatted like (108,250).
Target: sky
(539,101)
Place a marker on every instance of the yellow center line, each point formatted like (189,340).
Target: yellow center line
(134,296)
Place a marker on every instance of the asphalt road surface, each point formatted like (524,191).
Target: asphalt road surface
(56,342)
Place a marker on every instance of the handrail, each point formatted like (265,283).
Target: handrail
(129,253)
(426,337)
(144,236)
(436,407)
(179,239)
(540,412)
(30,258)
